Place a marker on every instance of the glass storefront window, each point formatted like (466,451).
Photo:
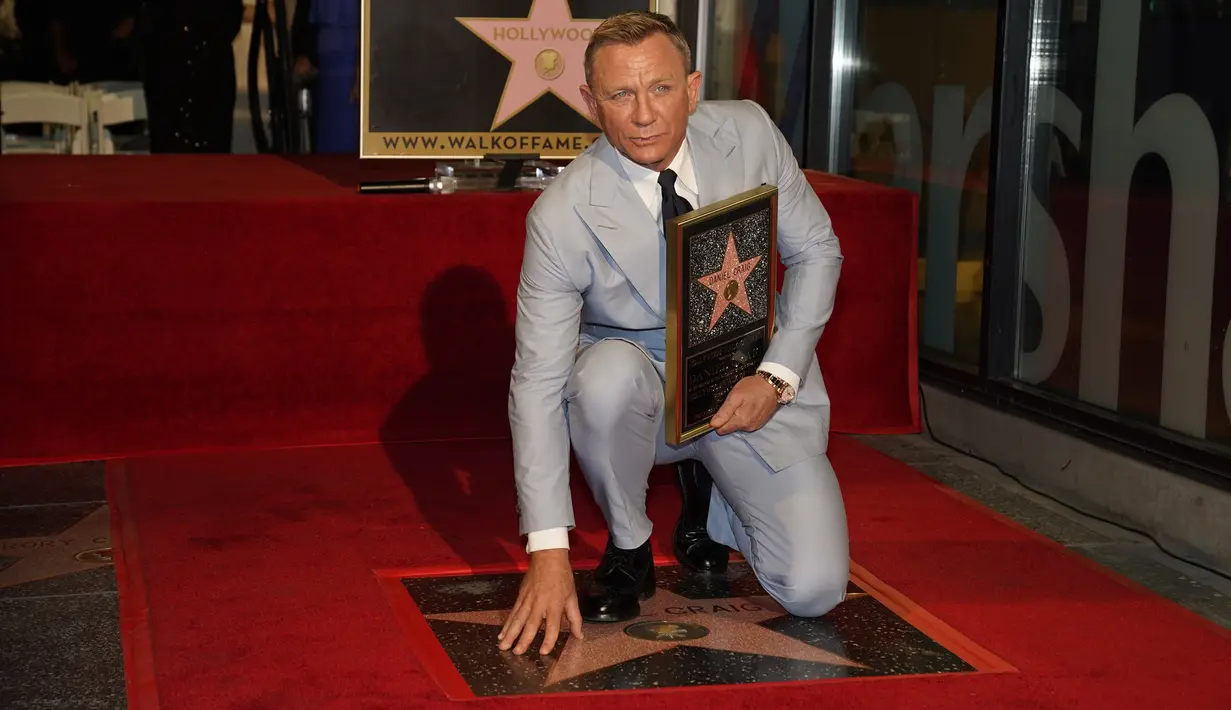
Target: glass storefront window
(1124,234)
(1126,246)
(922,74)
(759,50)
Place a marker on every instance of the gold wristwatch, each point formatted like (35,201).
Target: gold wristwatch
(786,393)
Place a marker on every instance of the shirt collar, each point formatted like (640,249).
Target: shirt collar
(681,164)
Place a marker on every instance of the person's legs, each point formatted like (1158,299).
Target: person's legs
(790,526)
(615,404)
(190,93)
(615,401)
(337,110)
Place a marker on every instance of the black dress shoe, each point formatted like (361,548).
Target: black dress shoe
(623,579)
(691,542)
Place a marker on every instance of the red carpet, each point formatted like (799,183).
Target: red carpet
(258,572)
(170,303)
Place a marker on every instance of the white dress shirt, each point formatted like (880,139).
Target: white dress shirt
(645,181)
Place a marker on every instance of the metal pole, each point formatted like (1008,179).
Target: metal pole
(703,39)
(842,68)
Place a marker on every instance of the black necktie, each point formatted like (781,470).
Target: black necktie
(673,204)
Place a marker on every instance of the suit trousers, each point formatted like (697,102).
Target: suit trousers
(789,525)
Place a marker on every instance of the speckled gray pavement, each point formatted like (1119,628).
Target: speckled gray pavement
(60,634)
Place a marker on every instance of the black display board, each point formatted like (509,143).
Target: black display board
(469,78)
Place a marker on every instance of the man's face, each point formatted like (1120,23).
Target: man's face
(641,96)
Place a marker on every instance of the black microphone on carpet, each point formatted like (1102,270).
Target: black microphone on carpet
(396,186)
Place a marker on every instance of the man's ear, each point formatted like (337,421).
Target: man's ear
(694,90)
(591,103)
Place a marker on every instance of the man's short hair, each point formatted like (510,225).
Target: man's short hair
(634,27)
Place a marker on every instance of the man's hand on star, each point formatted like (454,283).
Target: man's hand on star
(547,599)
(748,407)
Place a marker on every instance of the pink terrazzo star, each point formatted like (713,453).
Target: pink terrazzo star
(728,282)
(547,50)
(668,620)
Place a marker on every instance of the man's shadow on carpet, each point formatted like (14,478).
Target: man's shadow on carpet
(448,436)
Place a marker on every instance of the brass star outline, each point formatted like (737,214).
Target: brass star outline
(733,624)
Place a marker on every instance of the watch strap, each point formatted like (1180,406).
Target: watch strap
(786,393)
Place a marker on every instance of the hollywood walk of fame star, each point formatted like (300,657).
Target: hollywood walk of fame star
(84,546)
(728,282)
(667,621)
(547,50)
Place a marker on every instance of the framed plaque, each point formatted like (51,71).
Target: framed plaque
(722,278)
(464,79)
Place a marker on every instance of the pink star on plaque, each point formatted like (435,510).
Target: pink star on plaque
(728,282)
(548,52)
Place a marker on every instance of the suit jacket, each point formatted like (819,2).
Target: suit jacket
(593,268)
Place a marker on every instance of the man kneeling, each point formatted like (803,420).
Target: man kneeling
(591,343)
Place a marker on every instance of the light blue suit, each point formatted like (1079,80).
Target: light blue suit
(590,362)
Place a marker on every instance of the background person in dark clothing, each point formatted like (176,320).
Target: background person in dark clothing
(10,41)
(93,40)
(190,73)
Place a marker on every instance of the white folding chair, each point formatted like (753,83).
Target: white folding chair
(62,116)
(111,87)
(13,88)
(113,104)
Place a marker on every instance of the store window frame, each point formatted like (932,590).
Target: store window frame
(1022,28)
(830,120)
(1019,27)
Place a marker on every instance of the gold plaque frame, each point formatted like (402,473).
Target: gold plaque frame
(548,145)
(683,425)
